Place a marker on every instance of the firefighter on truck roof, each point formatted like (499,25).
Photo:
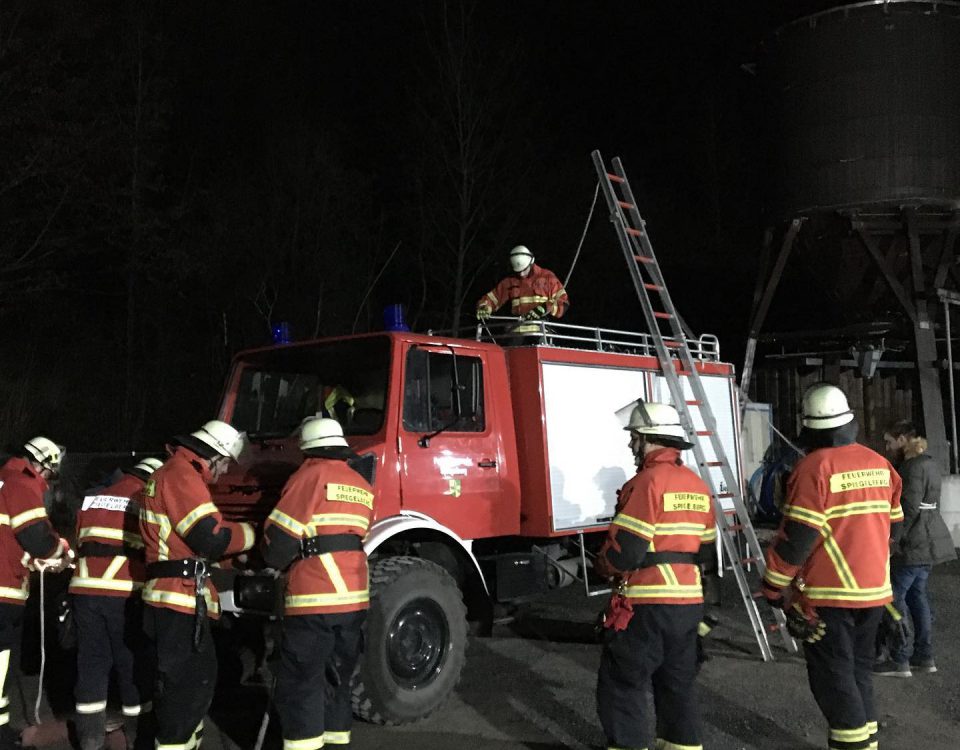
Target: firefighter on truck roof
(108,611)
(27,542)
(184,535)
(829,565)
(660,544)
(317,529)
(532,292)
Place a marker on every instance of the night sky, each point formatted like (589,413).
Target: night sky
(176,178)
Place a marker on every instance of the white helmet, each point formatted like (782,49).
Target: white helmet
(321,432)
(45,452)
(520,259)
(825,406)
(657,420)
(223,438)
(146,467)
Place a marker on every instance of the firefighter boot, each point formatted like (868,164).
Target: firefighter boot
(91,730)
(140,731)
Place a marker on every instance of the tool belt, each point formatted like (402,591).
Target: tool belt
(191,567)
(99,549)
(321,545)
(668,558)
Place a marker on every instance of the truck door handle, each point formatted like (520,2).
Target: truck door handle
(487,464)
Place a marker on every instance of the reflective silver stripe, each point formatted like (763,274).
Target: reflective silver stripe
(103,584)
(336,738)
(188,521)
(310,743)
(91,708)
(19,594)
(143,708)
(105,532)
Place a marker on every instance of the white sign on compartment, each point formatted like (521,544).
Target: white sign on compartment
(586,444)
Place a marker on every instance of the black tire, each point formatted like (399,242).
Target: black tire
(416,642)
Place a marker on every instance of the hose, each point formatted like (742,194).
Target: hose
(41,566)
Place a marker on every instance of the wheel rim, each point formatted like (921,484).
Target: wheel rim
(417,642)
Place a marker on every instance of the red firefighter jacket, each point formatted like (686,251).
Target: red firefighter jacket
(179,521)
(669,507)
(834,539)
(323,497)
(110,518)
(24,527)
(539,287)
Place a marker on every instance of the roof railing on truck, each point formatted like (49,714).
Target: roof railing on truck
(511,331)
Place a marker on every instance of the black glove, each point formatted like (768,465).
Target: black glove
(708,623)
(803,627)
(898,634)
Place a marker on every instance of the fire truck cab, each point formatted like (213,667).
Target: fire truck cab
(496,470)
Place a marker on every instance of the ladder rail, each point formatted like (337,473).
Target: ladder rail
(638,252)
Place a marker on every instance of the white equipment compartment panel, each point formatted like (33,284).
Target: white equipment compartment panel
(587,448)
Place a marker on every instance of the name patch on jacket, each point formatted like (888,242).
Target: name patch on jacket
(846,481)
(347,493)
(678,501)
(106,502)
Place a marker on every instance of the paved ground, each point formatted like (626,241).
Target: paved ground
(531,686)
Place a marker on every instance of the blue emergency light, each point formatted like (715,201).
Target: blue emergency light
(394,318)
(281,333)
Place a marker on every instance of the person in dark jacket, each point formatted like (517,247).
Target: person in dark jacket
(925,542)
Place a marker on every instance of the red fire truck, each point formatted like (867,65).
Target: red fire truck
(496,471)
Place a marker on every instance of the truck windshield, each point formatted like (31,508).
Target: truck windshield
(346,380)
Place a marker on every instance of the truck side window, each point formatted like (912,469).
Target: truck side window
(428,402)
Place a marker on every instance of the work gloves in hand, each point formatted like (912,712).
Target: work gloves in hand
(483,313)
(895,628)
(805,626)
(536,313)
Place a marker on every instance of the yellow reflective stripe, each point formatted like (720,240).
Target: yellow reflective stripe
(188,745)
(850,735)
(27,516)
(839,561)
(858,509)
(333,573)
(667,529)
(91,708)
(310,743)
(669,577)
(337,738)
(662,744)
(4,519)
(804,514)
(896,514)
(188,521)
(644,529)
(155,596)
(851,595)
(84,582)
(163,521)
(872,727)
(114,567)
(143,708)
(4,718)
(249,536)
(10,593)
(287,522)
(666,592)
(493,298)
(340,519)
(105,532)
(534,300)
(777,579)
(326,600)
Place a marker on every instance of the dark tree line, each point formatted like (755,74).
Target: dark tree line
(177,178)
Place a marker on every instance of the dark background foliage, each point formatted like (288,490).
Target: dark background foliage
(176,178)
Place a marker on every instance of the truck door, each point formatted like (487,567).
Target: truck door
(450,448)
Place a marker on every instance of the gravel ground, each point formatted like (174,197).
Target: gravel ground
(531,686)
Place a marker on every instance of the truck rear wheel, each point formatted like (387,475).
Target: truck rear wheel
(415,643)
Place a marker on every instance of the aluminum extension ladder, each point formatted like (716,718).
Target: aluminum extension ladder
(736,531)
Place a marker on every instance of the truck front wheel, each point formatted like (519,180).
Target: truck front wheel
(415,643)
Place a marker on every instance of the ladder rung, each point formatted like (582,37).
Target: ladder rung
(634,232)
(730,511)
(713,463)
(694,403)
(704,433)
(773,627)
(615,178)
(672,344)
(757,595)
(654,288)
(749,560)
(643,258)
(735,527)
(662,315)
(624,204)
(721,495)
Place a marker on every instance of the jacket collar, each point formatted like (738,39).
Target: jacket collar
(662,456)
(19,464)
(201,465)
